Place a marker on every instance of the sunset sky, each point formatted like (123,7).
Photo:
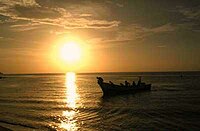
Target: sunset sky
(113,35)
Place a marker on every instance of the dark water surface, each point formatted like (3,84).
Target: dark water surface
(74,102)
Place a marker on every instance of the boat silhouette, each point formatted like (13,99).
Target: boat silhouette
(110,89)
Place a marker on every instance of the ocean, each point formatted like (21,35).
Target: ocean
(74,102)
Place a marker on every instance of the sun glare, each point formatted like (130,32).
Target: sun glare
(69,123)
(70,52)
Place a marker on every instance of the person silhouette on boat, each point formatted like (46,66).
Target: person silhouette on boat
(100,80)
(127,83)
(139,81)
(133,84)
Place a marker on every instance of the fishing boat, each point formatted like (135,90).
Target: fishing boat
(110,89)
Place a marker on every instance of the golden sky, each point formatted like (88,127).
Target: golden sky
(108,36)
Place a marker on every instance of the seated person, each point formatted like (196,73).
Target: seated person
(133,84)
(100,80)
(139,81)
(127,83)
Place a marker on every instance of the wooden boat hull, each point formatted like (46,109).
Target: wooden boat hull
(110,89)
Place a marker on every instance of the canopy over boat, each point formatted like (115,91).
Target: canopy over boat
(113,89)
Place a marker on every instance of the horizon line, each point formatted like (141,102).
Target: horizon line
(103,72)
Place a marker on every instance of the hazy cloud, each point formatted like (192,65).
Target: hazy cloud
(129,20)
(164,28)
(161,46)
(31,11)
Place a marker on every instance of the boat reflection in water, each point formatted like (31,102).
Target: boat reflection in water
(69,123)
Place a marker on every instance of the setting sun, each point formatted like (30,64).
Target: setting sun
(70,52)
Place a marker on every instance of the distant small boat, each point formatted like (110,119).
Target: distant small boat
(110,89)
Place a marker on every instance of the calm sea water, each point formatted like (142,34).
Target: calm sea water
(74,102)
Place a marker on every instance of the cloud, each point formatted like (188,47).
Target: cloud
(36,12)
(99,24)
(161,46)
(190,13)
(131,34)
(189,17)
(18,41)
(138,32)
(3,18)
(32,12)
(120,5)
(126,21)
(25,27)
(163,28)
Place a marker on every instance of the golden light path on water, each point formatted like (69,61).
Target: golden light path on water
(69,123)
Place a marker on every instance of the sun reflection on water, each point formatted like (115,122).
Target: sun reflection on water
(69,123)
(70,85)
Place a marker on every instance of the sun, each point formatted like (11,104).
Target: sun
(70,52)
